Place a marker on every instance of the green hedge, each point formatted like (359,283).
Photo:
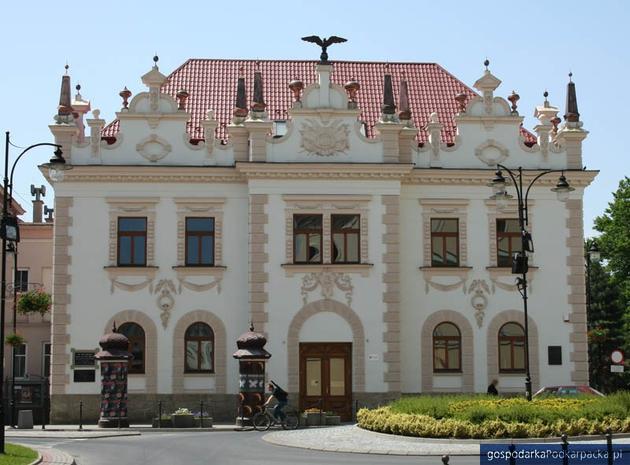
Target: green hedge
(484,417)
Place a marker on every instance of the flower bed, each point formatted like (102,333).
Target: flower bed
(483,417)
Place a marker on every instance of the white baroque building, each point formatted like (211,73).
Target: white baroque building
(359,237)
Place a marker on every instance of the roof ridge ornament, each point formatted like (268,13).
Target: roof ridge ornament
(388,109)
(324,44)
(572,115)
(64,109)
(404,113)
(240,107)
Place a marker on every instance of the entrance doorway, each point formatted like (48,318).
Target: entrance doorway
(326,377)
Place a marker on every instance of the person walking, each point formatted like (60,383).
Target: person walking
(492,389)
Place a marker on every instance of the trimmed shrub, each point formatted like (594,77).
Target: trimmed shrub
(484,417)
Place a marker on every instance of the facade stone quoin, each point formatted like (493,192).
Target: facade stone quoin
(337,223)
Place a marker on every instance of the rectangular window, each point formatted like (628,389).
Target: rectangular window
(554,355)
(307,238)
(199,241)
(46,360)
(345,238)
(508,241)
(21,280)
(19,357)
(444,242)
(132,241)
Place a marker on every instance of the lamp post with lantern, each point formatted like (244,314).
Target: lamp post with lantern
(520,259)
(9,231)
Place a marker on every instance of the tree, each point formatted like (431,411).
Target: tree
(614,226)
(606,331)
(609,322)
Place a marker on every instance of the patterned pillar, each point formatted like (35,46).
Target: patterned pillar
(114,358)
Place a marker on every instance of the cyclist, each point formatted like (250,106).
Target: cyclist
(281,396)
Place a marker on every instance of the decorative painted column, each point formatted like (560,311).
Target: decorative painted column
(252,358)
(114,358)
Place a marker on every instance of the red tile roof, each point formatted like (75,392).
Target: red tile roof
(211,84)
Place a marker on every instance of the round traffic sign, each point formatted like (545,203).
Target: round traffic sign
(616,356)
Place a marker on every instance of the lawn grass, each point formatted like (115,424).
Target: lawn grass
(17,455)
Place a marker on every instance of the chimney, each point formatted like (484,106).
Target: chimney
(38,203)
(49,214)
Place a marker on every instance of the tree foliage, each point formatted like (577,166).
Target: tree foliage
(609,317)
(614,226)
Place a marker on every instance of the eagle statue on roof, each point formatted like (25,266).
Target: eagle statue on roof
(324,44)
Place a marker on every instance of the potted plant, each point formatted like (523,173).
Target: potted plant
(35,301)
(183,418)
(314,417)
(14,340)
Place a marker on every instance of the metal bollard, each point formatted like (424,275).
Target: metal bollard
(565,449)
(512,448)
(321,404)
(80,415)
(44,412)
(609,446)
(445,459)
(201,414)
(159,413)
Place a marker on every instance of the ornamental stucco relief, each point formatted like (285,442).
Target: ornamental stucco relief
(491,152)
(165,301)
(327,281)
(325,139)
(153,148)
(479,288)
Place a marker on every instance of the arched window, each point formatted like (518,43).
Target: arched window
(447,348)
(511,348)
(199,348)
(135,334)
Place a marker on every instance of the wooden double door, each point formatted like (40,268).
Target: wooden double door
(326,377)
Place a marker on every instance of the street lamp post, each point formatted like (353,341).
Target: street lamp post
(592,255)
(13,249)
(9,232)
(520,259)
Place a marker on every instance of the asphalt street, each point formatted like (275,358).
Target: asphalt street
(225,448)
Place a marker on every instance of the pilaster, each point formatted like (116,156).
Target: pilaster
(258,131)
(239,137)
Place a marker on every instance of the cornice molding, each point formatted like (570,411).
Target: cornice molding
(243,171)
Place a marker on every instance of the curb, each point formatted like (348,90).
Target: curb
(38,459)
(433,447)
(586,437)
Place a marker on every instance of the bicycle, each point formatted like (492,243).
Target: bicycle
(264,420)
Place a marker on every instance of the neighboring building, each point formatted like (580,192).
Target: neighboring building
(358,236)
(34,266)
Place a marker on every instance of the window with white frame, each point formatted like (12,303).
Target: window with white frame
(46,359)
(19,360)
(21,280)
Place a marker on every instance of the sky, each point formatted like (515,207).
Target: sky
(531,47)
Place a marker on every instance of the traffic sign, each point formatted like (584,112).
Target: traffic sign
(616,368)
(617,357)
